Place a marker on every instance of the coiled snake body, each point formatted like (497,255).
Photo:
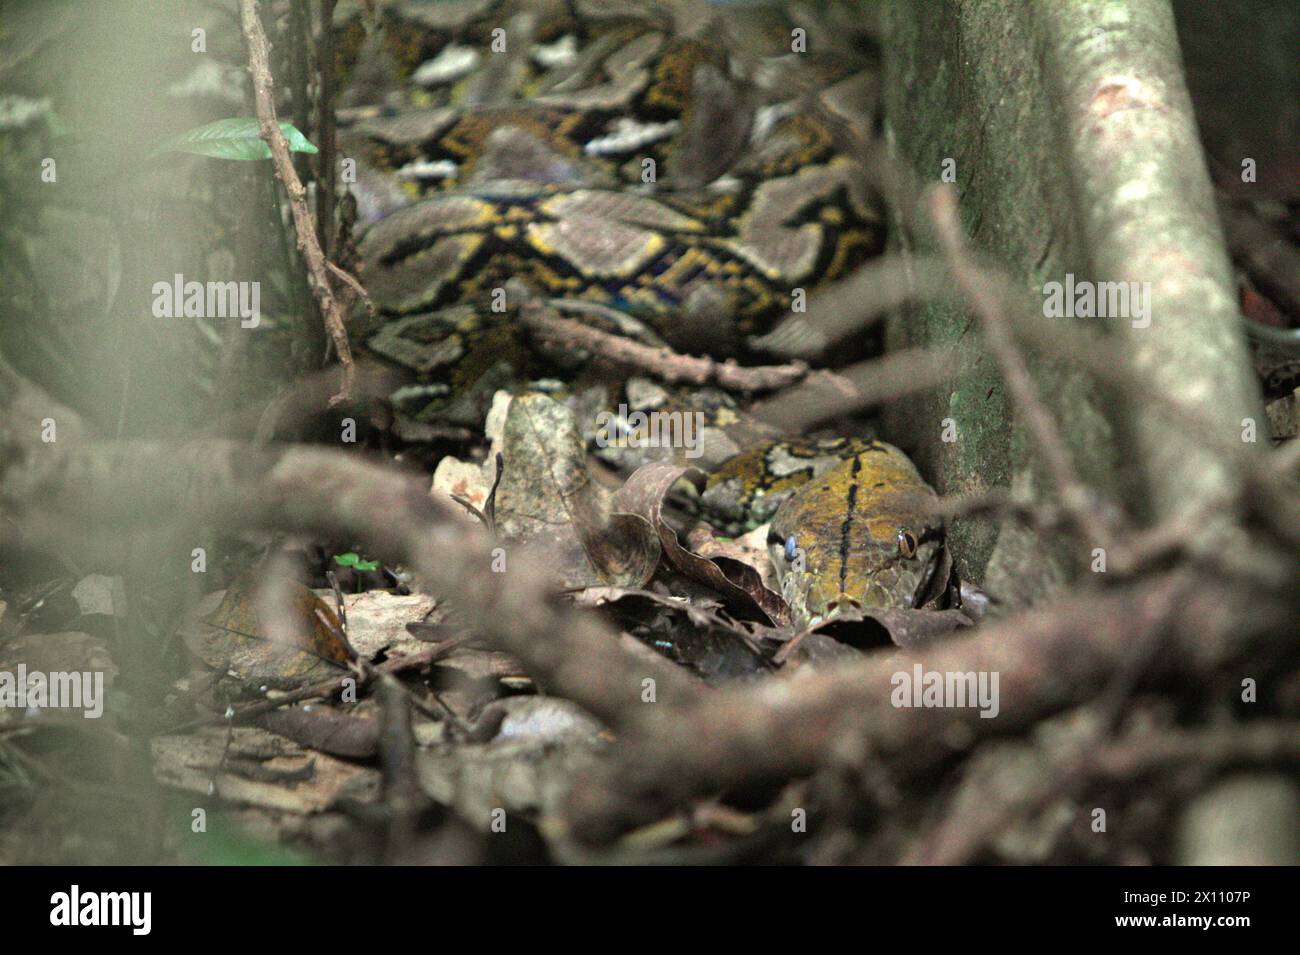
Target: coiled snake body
(618,160)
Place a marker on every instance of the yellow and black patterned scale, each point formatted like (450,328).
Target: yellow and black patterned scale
(549,190)
(542,187)
(649,257)
(859,536)
(607,82)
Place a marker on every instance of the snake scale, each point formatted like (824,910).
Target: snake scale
(626,156)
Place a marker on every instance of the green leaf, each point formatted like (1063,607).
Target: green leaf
(223,845)
(237,138)
(354,560)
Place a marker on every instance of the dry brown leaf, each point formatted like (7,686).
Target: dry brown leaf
(230,635)
(741,584)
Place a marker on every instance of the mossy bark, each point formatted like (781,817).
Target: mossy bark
(1069,129)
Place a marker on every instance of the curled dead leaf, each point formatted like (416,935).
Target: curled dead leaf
(742,585)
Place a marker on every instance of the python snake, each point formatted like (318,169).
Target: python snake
(627,156)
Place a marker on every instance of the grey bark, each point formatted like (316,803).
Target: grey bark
(1075,151)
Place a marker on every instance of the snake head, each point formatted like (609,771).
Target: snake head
(859,538)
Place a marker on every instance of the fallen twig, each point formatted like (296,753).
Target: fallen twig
(325,688)
(664,363)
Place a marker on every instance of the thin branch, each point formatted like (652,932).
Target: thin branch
(663,363)
(325,129)
(873,291)
(1047,659)
(1003,789)
(1075,497)
(825,394)
(334,308)
(326,688)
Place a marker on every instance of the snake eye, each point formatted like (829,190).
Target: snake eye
(907,544)
(790,547)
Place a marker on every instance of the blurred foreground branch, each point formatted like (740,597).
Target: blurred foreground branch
(690,742)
